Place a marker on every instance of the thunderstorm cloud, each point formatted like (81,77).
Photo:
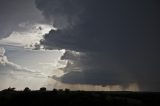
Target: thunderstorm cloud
(107,42)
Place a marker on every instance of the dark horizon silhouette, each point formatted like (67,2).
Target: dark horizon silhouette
(27,97)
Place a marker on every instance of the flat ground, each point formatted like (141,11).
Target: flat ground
(78,98)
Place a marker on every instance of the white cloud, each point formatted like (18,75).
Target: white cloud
(27,35)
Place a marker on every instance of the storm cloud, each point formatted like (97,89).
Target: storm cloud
(15,12)
(108,42)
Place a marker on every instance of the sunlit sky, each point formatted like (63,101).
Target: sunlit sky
(19,44)
(43,62)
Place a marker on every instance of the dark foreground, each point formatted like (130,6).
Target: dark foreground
(78,98)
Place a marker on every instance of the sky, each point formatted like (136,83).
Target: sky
(103,45)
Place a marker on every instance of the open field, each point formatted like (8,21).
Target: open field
(78,98)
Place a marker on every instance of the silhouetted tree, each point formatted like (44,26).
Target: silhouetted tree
(60,90)
(67,90)
(9,89)
(43,89)
(55,90)
(27,89)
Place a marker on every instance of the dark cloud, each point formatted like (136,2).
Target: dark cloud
(15,12)
(62,13)
(117,40)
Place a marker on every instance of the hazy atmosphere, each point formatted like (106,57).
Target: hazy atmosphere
(95,45)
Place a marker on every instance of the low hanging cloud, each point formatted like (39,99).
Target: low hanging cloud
(83,69)
(117,41)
